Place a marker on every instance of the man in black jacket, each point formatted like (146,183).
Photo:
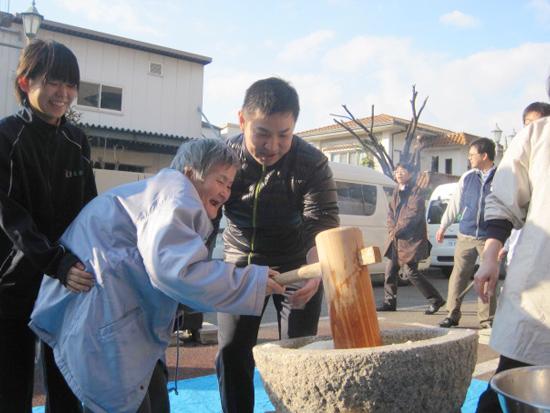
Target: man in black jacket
(45,180)
(282,197)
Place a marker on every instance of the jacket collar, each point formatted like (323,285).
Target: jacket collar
(29,116)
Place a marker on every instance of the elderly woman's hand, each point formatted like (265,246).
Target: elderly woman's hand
(272,286)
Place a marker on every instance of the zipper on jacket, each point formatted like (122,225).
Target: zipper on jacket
(482,186)
(255,213)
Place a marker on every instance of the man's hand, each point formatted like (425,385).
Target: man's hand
(78,280)
(486,277)
(439,235)
(272,287)
(304,294)
(502,254)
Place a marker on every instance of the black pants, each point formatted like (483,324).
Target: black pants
(488,401)
(238,334)
(156,399)
(410,272)
(17,353)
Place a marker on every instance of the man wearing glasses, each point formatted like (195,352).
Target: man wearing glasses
(467,207)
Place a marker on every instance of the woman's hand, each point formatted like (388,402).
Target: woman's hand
(78,280)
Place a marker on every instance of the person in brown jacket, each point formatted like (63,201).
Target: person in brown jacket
(408,241)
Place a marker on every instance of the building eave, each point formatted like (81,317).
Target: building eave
(137,137)
(119,41)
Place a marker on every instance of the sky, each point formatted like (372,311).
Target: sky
(478,62)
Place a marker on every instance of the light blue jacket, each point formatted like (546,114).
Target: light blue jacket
(144,242)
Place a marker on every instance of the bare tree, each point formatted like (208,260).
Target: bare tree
(371,145)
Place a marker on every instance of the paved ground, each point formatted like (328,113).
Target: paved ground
(198,360)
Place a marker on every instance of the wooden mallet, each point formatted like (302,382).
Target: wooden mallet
(343,264)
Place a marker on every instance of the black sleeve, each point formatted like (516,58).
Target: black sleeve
(17,223)
(499,229)
(320,202)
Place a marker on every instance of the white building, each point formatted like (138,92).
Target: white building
(137,101)
(447,153)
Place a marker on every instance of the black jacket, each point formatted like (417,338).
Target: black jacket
(45,179)
(275,212)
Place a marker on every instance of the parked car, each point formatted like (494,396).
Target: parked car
(442,255)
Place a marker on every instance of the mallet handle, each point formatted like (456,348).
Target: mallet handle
(303,273)
(369,255)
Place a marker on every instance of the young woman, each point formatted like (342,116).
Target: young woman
(45,179)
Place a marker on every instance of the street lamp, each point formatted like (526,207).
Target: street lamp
(31,21)
(497,133)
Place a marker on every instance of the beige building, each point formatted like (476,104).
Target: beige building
(137,101)
(447,153)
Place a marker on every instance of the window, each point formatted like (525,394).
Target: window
(449,166)
(435,164)
(436,209)
(118,167)
(356,199)
(100,96)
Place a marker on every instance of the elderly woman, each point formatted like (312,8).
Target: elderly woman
(144,246)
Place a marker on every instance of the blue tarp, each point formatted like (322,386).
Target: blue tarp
(200,395)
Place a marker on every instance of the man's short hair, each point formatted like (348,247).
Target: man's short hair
(485,145)
(542,108)
(271,95)
(47,58)
(200,155)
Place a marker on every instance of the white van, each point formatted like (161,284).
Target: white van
(363,197)
(442,255)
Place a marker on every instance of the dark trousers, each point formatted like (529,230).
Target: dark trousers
(238,334)
(17,354)
(156,399)
(17,350)
(488,401)
(410,272)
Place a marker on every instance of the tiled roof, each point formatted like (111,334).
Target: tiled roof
(439,136)
(379,120)
(133,131)
(454,138)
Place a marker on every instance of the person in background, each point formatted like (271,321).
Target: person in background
(45,179)
(145,244)
(531,113)
(282,197)
(468,204)
(520,199)
(407,241)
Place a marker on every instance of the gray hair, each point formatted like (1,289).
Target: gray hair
(200,155)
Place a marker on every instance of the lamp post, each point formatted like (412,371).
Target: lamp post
(31,21)
(497,133)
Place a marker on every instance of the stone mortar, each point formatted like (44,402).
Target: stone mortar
(415,370)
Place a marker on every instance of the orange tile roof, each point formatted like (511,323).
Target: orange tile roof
(443,137)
